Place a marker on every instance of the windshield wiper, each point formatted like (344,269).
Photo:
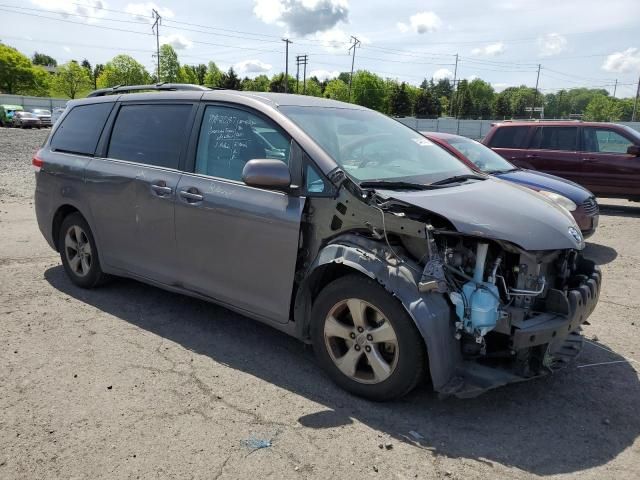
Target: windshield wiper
(497,172)
(458,178)
(391,185)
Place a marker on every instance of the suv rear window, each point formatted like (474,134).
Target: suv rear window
(556,138)
(81,128)
(509,137)
(150,134)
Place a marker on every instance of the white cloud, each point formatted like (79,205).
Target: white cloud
(142,11)
(551,44)
(89,8)
(302,17)
(177,41)
(442,73)
(337,40)
(499,86)
(491,50)
(252,66)
(323,74)
(423,22)
(66,49)
(623,62)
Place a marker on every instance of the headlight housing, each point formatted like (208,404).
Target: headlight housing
(560,200)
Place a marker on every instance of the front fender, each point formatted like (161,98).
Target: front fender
(431,312)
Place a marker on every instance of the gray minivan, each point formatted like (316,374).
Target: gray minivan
(326,220)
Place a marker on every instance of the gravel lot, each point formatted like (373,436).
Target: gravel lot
(129,381)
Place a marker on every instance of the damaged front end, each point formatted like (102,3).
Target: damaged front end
(490,312)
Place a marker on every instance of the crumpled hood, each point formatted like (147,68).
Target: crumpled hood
(499,210)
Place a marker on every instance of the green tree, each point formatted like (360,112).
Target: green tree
(44,60)
(97,70)
(213,76)
(427,104)
(602,108)
(443,88)
(502,106)
(169,64)
(200,71)
(463,101)
(123,70)
(188,75)
(312,88)
(230,80)
(70,80)
(41,84)
(368,90)
(259,84)
(336,89)
(482,97)
(277,83)
(16,71)
(399,101)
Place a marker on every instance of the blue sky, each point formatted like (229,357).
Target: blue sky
(578,42)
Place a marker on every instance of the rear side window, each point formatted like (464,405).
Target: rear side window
(150,134)
(509,137)
(556,138)
(81,128)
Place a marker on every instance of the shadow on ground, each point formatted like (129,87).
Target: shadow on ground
(601,254)
(611,210)
(574,420)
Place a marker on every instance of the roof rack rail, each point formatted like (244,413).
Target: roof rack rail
(134,88)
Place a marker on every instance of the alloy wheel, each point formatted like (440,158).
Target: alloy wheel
(78,250)
(361,341)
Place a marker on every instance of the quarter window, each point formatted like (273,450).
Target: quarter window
(510,137)
(150,134)
(230,137)
(605,141)
(81,128)
(556,138)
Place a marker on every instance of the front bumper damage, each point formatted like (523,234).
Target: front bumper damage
(555,332)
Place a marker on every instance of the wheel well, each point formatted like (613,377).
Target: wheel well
(58,218)
(320,278)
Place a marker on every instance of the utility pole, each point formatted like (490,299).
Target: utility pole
(156,29)
(635,104)
(455,75)
(301,60)
(615,87)
(286,65)
(354,45)
(535,95)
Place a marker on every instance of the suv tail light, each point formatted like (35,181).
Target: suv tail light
(37,162)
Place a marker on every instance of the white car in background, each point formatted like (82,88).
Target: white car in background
(56,114)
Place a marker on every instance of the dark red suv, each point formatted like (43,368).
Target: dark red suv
(603,157)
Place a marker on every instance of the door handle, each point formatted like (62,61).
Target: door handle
(588,159)
(531,155)
(161,188)
(191,195)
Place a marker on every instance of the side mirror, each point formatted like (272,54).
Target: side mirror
(633,150)
(265,173)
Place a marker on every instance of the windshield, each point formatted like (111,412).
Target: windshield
(370,146)
(483,157)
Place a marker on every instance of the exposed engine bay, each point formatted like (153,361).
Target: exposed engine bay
(496,313)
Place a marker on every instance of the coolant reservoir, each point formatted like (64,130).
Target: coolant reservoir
(483,303)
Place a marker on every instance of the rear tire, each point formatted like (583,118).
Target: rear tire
(79,253)
(376,353)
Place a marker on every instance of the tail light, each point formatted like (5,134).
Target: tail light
(37,162)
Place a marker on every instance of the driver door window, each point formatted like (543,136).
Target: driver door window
(602,140)
(230,137)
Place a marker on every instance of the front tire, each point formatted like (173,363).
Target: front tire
(365,340)
(79,253)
